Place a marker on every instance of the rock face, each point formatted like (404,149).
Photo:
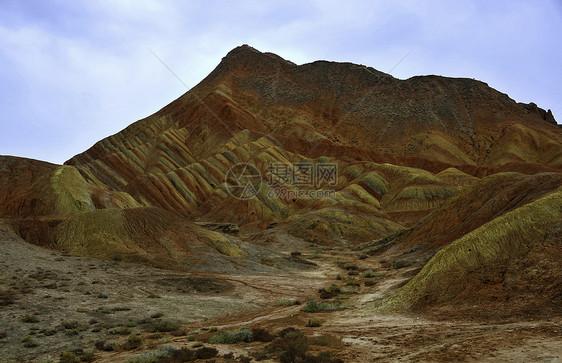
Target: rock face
(420,164)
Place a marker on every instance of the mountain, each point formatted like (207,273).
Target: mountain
(265,156)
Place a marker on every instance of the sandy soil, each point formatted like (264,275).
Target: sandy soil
(72,302)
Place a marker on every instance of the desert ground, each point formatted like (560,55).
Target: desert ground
(56,306)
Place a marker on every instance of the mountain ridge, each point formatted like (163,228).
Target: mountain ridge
(407,155)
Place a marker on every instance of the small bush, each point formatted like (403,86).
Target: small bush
(70,324)
(353,283)
(30,319)
(156,315)
(28,342)
(370,273)
(120,331)
(162,326)
(351,267)
(325,341)
(286,302)
(353,273)
(313,323)
(69,357)
(295,253)
(244,335)
(291,347)
(102,296)
(3,335)
(338,262)
(316,255)
(105,346)
(132,343)
(315,307)
(7,297)
(206,353)
(399,263)
(371,282)
(262,335)
(154,356)
(329,292)
(120,308)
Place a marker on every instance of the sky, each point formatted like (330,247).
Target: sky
(74,72)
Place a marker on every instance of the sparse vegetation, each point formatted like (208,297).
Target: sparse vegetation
(7,297)
(244,335)
(371,282)
(370,273)
(292,346)
(262,335)
(316,255)
(286,302)
(399,263)
(132,343)
(330,292)
(30,319)
(105,346)
(154,356)
(120,331)
(314,306)
(162,326)
(28,342)
(313,323)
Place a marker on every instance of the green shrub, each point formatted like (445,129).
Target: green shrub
(132,343)
(102,296)
(28,342)
(313,323)
(244,335)
(314,307)
(286,302)
(370,273)
(291,347)
(316,255)
(154,356)
(120,331)
(399,263)
(162,326)
(371,282)
(329,292)
(30,319)
(105,346)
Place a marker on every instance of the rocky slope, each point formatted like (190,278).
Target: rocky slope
(418,166)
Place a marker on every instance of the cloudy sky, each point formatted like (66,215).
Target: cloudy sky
(73,72)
